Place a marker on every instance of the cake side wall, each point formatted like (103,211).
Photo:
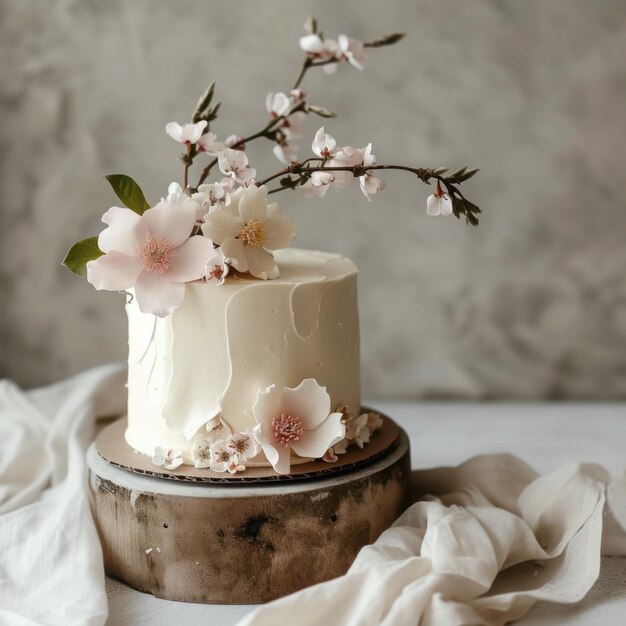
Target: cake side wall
(227,342)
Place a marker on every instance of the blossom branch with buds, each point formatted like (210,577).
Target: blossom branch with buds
(228,226)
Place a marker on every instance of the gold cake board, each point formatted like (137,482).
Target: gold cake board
(203,537)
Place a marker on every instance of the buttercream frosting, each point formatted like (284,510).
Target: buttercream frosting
(226,342)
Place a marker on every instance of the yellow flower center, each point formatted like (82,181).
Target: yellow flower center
(253,233)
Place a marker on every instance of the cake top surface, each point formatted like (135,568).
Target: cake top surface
(297,265)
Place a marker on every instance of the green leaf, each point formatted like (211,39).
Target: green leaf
(321,111)
(129,192)
(80,253)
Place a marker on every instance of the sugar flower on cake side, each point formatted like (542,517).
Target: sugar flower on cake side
(295,420)
(216,230)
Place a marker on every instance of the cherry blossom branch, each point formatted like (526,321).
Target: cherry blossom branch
(460,204)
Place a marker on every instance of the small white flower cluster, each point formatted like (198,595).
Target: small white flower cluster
(343,49)
(325,147)
(359,430)
(289,421)
(203,232)
(221,450)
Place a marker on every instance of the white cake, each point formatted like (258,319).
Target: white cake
(227,342)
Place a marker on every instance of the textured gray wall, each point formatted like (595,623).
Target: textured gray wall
(532,304)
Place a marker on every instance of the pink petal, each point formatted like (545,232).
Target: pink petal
(156,295)
(172,218)
(124,233)
(308,401)
(115,271)
(189,261)
(280,232)
(266,407)
(314,443)
(220,225)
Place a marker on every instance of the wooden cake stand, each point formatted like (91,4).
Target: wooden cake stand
(244,539)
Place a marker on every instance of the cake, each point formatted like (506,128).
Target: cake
(210,357)
(242,349)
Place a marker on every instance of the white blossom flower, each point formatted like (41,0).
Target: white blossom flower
(244,444)
(234,163)
(318,48)
(211,196)
(298,96)
(201,453)
(369,182)
(247,229)
(345,157)
(351,50)
(278,104)
(208,143)
(216,267)
(324,145)
(358,430)
(222,459)
(295,419)
(438,203)
(187,133)
(216,429)
(285,151)
(174,189)
(318,184)
(152,252)
(293,125)
(374,422)
(231,140)
(169,458)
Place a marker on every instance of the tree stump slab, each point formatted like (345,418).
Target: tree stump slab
(241,544)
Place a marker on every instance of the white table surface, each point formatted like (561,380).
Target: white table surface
(544,435)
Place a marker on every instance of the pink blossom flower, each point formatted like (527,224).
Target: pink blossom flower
(351,50)
(153,253)
(318,48)
(438,203)
(231,140)
(297,420)
(293,125)
(187,133)
(208,143)
(211,196)
(234,163)
(318,184)
(324,145)
(216,266)
(222,459)
(369,182)
(278,104)
(286,151)
(298,96)
(247,228)
(346,157)
(244,444)
(169,458)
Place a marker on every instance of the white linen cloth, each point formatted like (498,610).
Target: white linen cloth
(493,537)
(51,568)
